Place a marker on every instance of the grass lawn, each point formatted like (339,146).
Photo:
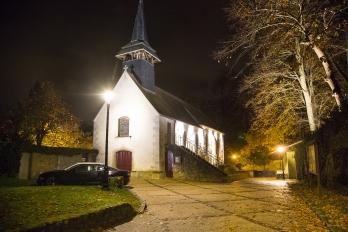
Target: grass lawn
(23,203)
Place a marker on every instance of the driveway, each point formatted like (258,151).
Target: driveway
(257,204)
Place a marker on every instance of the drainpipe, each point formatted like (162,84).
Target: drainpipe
(174,131)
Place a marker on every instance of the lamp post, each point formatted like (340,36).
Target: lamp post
(107,97)
(281,149)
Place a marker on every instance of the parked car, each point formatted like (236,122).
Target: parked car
(81,173)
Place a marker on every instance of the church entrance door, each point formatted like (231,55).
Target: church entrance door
(124,160)
(169,164)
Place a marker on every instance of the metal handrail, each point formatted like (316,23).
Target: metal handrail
(194,149)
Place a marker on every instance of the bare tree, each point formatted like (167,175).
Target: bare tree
(287,90)
(263,26)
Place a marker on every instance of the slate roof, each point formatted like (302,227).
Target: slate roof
(168,105)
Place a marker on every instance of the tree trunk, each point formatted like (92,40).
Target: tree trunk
(311,115)
(312,118)
(39,139)
(336,92)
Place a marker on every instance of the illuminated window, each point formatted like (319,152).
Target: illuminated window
(123,127)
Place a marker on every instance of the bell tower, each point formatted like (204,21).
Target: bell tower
(138,55)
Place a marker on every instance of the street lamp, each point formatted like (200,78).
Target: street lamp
(107,97)
(281,149)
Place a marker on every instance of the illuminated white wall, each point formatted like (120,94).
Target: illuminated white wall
(201,141)
(179,132)
(207,139)
(147,130)
(222,147)
(128,100)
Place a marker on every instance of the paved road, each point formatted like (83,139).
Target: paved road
(247,205)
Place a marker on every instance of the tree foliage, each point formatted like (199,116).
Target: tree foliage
(297,49)
(48,121)
(285,102)
(42,119)
(12,142)
(259,156)
(262,24)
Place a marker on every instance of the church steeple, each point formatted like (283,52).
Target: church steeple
(139,30)
(138,55)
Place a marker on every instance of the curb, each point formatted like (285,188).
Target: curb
(143,205)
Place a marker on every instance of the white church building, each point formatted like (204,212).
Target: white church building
(144,119)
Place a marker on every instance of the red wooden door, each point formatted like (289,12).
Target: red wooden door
(124,160)
(169,164)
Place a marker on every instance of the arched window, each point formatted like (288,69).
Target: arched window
(123,127)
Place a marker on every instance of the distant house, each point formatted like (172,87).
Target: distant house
(147,124)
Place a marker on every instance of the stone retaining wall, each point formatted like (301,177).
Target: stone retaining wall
(238,176)
(191,168)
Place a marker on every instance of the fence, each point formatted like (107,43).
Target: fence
(193,148)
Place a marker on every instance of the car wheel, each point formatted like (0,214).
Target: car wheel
(51,181)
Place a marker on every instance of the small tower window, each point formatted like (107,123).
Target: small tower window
(123,127)
(128,57)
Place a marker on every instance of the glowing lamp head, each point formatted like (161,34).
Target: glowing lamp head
(234,157)
(281,149)
(108,97)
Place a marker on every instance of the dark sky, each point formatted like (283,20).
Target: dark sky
(73,43)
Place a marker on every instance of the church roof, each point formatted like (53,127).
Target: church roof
(168,105)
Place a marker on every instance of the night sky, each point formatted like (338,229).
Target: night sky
(73,43)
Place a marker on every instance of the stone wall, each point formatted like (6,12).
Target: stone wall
(238,176)
(192,168)
(335,170)
(32,164)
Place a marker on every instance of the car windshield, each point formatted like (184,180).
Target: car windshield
(100,167)
(71,167)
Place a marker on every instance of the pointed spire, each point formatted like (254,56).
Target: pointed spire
(139,30)
(138,55)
